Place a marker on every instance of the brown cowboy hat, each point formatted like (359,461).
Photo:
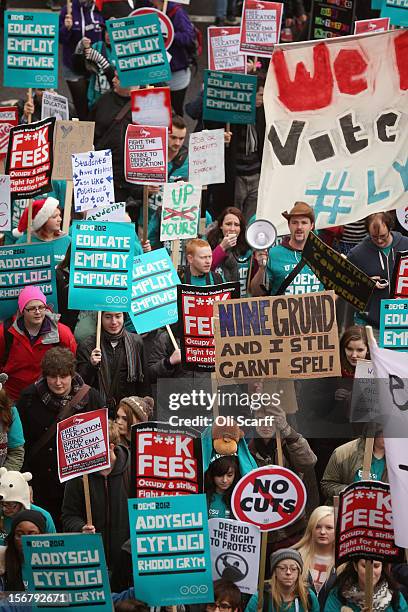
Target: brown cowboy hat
(300,209)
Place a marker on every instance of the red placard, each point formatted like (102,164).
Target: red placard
(166,460)
(8,119)
(146,155)
(152,106)
(83,444)
(29,158)
(399,281)
(367,26)
(166,24)
(271,497)
(260,27)
(364,523)
(223,50)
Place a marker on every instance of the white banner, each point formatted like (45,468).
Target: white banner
(396,452)
(336,128)
(113,212)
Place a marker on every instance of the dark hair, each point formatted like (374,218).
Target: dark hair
(215,235)
(178,122)
(6,404)
(260,79)
(65,263)
(131,605)
(219,467)
(349,577)
(225,590)
(355,332)
(377,218)
(13,558)
(58,362)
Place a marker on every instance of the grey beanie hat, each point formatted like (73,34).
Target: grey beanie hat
(285,553)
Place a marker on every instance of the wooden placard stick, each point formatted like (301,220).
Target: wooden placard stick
(67,206)
(88,509)
(175,252)
(29,221)
(369,588)
(145,213)
(29,99)
(172,338)
(165,3)
(98,330)
(69,8)
(262,565)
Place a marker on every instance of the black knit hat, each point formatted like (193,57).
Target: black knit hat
(33,516)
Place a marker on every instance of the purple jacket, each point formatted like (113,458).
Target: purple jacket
(87,22)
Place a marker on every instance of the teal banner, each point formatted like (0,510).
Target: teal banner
(171,550)
(67,570)
(397,11)
(31,49)
(22,265)
(101,266)
(138,50)
(228,97)
(394,325)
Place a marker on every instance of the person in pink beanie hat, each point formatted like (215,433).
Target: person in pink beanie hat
(26,337)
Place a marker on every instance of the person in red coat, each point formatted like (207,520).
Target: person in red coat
(26,337)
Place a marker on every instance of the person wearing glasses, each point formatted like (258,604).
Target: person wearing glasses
(227,597)
(375,256)
(286,591)
(27,336)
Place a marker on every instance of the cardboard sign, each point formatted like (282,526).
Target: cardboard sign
(5,204)
(206,157)
(260,27)
(277,337)
(69,569)
(83,444)
(31,49)
(364,524)
(223,49)
(368,26)
(101,272)
(152,107)
(146,155)
(397,11)
(235,551)
(112,212)
(54,105)
(328,135)
(166,460)
(8,119)
(180,211)
(394,324)
(228,97)
(171,565)
(93,179)
(154,291)
(166,24)
(399,281)
(138,50)
(329,21)
(29,158)
(196,311)
(70,137)
(271,497)
(23,265)
(337,273)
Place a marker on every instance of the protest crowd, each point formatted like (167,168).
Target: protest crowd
(203,306)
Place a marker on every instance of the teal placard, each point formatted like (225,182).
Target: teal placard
(138,50)
(22,265)
(171,550)
(376,5)
(31,49)
(394,325)
(101,266)
(397,11)
(154,291)
(228,97)
(72,565)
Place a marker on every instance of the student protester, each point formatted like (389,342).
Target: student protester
(285,257)
(220,479)
(348,592)
(317,550)
(132,411)
(11,432)
(227,597)
(109,492)
(95,61)
(85,20)
(231,253)
(199,261)
(118,368)
(58,394)
(32,108)
(26,337)
(376,257)
(345,466)
(45,227)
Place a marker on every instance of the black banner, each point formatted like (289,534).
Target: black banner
(332,18)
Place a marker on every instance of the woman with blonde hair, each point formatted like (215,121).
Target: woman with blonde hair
(317,547)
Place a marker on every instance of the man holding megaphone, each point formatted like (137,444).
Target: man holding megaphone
(284,258)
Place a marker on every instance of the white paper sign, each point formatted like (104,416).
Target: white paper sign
(93,179)
(235,550)
(206,157)
(223,50)
(180,211)
(5,204)
(112,212)
(54,105)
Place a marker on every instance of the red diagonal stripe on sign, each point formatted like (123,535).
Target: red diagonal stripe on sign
(170,213)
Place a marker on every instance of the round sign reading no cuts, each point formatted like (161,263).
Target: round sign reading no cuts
(270,497)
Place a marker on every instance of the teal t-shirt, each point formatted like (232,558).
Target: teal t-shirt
(49,523)
(218,508)
(60,245)
(15,434)
(376,470)
(201,281)
(281,262)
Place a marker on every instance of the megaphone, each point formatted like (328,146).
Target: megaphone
(261,234)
